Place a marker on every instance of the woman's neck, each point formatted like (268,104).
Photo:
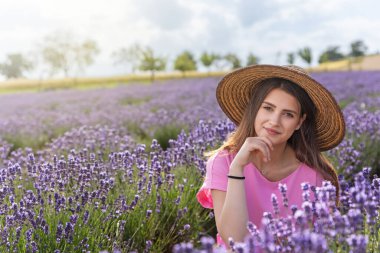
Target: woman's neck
(280,158)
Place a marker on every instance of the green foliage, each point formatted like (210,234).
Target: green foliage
(135,101)
(234,60)
(290,58)
(25,140)
(306,55)
(209,59)
(252,59)
(166,228)
(150,62)
(62,53)
(331,54)
(343,103)
(185,62)
(365,153)
(370,152)
(167,132)
(358,48)
(135,129)
(15,65)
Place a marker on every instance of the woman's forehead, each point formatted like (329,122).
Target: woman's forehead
(283,100)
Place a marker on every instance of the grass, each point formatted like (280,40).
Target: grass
(349,64)
(167,132)
(25,140)
(135,101)
(343,103)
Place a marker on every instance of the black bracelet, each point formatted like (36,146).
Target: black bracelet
(235,177)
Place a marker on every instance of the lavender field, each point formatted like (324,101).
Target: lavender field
(117,170)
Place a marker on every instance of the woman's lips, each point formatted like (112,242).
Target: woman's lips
(271,131)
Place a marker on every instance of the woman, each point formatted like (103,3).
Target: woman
(284,120)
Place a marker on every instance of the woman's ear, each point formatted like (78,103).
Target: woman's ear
(302,119)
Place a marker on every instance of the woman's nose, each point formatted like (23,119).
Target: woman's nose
(275,118)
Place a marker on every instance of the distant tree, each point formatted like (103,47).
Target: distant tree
(252,59)
(290,58)
(208,59)
(129,56)
(306,55)
(358,48)
(185,62)
(85,54)
(62,53)
(233,60)
(331,54)
(150,62)
(15,65)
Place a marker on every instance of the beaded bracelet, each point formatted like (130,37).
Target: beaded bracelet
(235,177)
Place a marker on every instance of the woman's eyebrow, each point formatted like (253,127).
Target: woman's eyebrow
(286,110)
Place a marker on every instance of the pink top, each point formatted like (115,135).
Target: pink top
(258,189)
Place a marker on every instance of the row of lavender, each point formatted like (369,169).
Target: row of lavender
(145,201)
(96,188)
(317,226)
(34,119)
(161,110)
(133,199)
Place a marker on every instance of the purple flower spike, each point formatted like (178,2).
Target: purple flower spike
(275,204)
(283,189)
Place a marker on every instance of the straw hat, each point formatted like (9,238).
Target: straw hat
(233,95)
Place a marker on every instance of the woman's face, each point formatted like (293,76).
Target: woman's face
(278,116)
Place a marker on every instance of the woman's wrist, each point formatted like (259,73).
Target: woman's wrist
(236,170)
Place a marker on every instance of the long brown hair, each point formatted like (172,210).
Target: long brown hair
(303,141)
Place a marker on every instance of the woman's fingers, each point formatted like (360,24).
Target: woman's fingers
(265,150)
(264,145)
(267,141)
(255,146)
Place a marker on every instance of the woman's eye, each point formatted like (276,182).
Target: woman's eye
(268,108)
(290,115)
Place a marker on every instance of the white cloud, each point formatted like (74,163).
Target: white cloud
(170,26)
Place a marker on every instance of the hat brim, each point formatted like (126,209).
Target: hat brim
(233,95)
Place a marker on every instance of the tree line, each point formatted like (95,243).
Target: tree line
(62,53)
(357,49)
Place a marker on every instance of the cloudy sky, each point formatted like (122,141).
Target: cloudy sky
(270,29)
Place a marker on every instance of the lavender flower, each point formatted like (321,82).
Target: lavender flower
(275,204)
(283,189)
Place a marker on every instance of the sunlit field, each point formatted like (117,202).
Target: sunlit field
(26,85)
(116,168)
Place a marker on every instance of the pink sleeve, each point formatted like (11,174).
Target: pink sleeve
(216,178)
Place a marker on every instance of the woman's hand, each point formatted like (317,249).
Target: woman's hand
(253,146)
(230,208)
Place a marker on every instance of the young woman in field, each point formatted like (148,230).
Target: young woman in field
(284,120)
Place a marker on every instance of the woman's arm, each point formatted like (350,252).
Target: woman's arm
(230,209)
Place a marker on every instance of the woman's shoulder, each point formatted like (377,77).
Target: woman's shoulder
(224,156)
(311,173)
(220,160)
(307,168)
